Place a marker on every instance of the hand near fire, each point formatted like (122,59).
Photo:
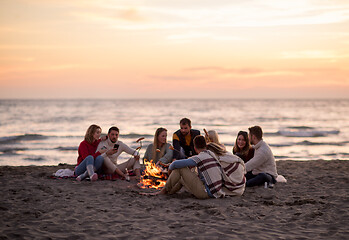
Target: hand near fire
(163,164)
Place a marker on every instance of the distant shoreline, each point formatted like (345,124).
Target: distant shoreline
(181,99)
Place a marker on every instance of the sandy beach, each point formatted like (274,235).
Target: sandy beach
(313,204)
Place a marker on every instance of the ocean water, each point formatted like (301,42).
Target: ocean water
(48,132)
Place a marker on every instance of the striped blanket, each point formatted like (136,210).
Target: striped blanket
(233,174)
(223,175)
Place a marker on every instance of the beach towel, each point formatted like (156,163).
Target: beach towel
(114,176)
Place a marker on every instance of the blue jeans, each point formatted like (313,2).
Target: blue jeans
(89,160)
(257,180)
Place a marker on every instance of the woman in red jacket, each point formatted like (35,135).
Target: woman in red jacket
(89,160)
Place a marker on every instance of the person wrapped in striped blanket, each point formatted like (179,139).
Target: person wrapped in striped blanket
(219,173)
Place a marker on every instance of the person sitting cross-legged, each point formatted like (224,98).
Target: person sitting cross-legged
(207,183)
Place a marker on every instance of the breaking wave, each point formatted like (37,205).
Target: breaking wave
(309,143)
(18,138)
(304,131)
(67,148)
(135,135)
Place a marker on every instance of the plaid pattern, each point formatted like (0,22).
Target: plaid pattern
(114,176)
(224,175)
(233,174)
(211,171)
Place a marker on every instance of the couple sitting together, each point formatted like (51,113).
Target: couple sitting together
(99,155)
(219,173)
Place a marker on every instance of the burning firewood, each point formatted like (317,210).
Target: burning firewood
(153,176)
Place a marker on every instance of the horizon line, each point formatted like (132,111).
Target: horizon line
(184,98)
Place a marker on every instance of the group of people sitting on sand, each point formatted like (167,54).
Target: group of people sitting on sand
(198,162)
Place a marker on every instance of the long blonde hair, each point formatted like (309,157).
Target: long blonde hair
(216,148)
(90,132)
(156,142)
(213,136)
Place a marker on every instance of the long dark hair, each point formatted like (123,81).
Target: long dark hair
(247,147)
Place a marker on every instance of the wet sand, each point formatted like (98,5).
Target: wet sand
(313,204)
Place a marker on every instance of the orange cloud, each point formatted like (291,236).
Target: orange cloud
(130,14)
(241,72)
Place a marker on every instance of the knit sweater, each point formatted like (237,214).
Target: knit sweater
(166,158)
(263,160)
(85,149)
(122,148)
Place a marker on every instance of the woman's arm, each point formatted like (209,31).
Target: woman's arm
(148,153)
(124,148)
(167,158)
(84,151)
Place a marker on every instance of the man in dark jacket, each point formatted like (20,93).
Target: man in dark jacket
(182,140)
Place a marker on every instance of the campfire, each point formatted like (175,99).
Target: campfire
(153,176)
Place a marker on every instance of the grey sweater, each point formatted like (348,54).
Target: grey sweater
(167,158)
(263,160)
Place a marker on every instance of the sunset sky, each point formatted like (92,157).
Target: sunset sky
(174,49)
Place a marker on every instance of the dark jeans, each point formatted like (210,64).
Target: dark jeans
(260,179)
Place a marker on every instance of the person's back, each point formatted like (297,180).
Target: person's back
(210,170)
(233,170)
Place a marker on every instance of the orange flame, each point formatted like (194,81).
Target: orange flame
(153,177)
